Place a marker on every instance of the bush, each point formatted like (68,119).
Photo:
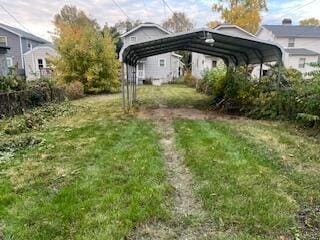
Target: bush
(291,98)
(36,118)
(213,82)
(190,80)
(74,90)
(12,82)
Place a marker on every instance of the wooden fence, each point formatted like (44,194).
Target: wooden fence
(13,103)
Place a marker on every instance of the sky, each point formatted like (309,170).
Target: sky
(36,15)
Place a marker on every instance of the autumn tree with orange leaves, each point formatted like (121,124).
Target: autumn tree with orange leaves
(86,54)
(243,13)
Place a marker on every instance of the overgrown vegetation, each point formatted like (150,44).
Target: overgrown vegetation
(291,98)
(35,118)
(12,82)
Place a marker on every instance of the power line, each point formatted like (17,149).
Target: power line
(124,13)
(11,15)
(295,8)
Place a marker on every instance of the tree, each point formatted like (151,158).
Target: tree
(178,22)
(243,13)
(85,54)
(213,24)
(310,22)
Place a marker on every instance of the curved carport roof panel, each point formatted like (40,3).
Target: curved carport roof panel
(232,49)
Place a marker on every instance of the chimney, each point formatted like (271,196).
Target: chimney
(287,21)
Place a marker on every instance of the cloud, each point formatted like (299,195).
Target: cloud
(37,15)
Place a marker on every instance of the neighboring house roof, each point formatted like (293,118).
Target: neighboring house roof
(47,45)
(294,31)
(301,52)
(22,33)
(233,26)
(145,25)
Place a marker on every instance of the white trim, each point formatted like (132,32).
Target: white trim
(7,29)
(38,47)
(21,52)
(6,38)
(176,55)
(145,25)
(44,63)
(11,61)
(165,64)
(234,26)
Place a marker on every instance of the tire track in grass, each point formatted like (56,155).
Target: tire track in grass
(189,220)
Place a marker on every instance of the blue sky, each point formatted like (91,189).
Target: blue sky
(37,15)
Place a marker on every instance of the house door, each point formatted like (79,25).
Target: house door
(141,71)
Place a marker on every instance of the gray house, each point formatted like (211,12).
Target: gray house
(17,42)
(160,68)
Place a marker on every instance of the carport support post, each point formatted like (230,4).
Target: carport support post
(128,100)
(135,83)
(261,69)
(122,86)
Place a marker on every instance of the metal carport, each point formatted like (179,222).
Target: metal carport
(234,50)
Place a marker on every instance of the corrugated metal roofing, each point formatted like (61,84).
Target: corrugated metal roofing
(24,34)
(301,52)
(294,31)
(233,50)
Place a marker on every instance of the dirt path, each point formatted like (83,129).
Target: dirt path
(189,220)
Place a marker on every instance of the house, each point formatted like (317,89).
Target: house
(301,44)
(3,60)
(158,69)
(37,61)
(202,62)
(20,45)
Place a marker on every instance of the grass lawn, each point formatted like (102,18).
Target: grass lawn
(95,173)
(257,180)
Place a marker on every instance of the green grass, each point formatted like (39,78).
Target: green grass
(171,96)
(242,179)
(96,175)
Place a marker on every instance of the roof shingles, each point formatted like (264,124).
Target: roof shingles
(294,31)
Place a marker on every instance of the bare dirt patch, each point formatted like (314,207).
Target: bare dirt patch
(183,113)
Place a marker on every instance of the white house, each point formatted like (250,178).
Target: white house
(201,62)
(301,44)
(37,61)
(160,68)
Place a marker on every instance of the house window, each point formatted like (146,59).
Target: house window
(291,42)
(40,63)
(214,64)
(9,62)
(302,62)
(3,41)
(162,62)
(29,45)
(133,39)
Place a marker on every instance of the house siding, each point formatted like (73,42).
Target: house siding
(13,42)
(143,34)
(290,61)
(152,67)
(25,47)
(201,63)
(31,60)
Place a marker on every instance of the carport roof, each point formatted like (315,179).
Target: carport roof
(232,49)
